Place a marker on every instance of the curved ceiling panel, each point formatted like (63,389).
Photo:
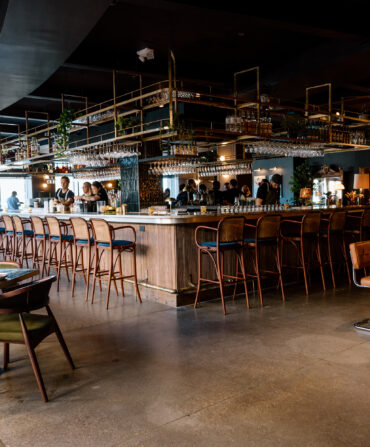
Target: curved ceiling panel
(37,37)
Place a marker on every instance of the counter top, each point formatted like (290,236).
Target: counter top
(173,219)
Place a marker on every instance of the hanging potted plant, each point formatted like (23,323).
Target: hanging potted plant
(62,138)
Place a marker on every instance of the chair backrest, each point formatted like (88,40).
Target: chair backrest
(18,224)
(10,265)
(54,227)
(311,223)
(366,219)
(337,221)
(268,226)
(231,229)
(102,231)
(80,228)
(38,225)
(8,223)
(27,298)
(360,254)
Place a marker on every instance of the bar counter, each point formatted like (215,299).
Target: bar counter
(166,251)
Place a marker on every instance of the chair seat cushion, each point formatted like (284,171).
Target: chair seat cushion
(84,241)
(213,244)
(251,240)
(9,232)
(26,232)
(40,236)
(11,330)
(115,243)
(65,237)
(365,281)
(2,230)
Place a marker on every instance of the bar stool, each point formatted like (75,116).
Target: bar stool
(266,234)
(83,242)
(358,225)
(301,233)
(60,243)
(2,239)
(41,238)
(9,238)
(23,240)
(105,242)
(229,237)
(332,229)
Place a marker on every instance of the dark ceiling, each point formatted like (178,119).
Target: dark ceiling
(295,44)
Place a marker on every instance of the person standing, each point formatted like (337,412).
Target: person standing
(87,192)
(269,192)
(99,194)
(232,193)
(215,195)
(64,195)
(244,193)
(13,202)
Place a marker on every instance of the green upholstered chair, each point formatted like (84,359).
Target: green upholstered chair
(19,325)
(9,265)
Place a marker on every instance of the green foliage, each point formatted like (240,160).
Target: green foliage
(302,178)
(64,126)
(124,124)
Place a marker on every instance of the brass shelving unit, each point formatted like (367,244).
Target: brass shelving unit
(170,93)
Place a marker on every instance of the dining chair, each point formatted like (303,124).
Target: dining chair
(19,325)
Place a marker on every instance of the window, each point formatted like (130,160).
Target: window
(23,186)
(172,183)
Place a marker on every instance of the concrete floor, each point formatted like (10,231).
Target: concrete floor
(148,375)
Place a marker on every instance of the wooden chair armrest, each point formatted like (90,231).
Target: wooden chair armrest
(123,227)
(202,227)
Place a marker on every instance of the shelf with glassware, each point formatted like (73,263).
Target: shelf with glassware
(249,120)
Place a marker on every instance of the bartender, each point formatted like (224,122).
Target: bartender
(64,195)
(87,192)
(268,193)
(98,193)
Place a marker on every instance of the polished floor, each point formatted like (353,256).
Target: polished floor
(148,375)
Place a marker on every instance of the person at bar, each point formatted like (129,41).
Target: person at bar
(13,202)
(183,197)
(203,194)
(98,193)
(231,194)
(269,192)
(244,193)
(87,192)
(64,195)
(215,195)
(192,185)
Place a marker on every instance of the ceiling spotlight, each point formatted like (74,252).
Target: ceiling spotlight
(222,158)
(145,53)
